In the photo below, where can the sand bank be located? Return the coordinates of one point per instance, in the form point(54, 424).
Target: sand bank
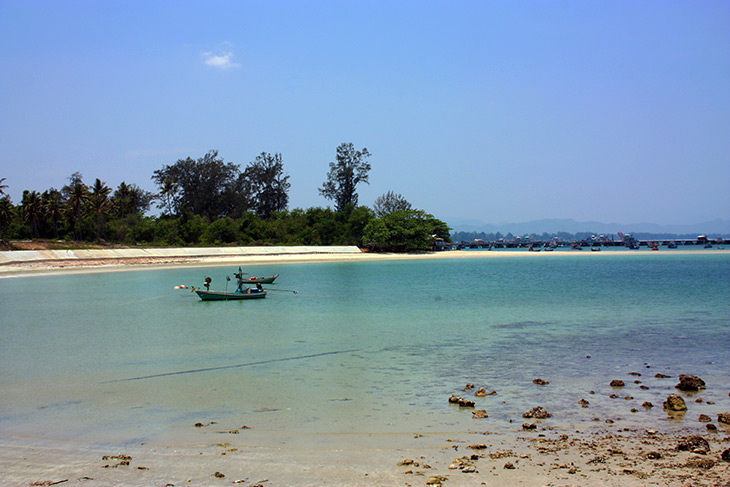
point(606, 457)
point(32, 262)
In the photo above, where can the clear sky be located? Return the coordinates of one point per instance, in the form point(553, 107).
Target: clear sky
point(615, 111)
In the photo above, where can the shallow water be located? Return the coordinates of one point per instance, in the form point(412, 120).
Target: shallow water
point(364, 348)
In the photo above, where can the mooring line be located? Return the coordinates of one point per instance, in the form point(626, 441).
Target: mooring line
point(147, 299)
point(249, 364)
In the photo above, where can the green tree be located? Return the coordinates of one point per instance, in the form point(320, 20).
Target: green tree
point(100, 205)
point(404, 231)
point(75, 194)
point(6, 215)
point(207, 186)
point(390, 202)
point(6, 208)
point(32, 207)
point(169, 197)
point(130, 199)
point(350, 169)
point(53, 208)
point(265, 182)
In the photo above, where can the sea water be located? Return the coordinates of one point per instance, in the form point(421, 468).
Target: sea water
point(362, 349)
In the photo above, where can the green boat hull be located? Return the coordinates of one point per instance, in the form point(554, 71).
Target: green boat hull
point(221, 296)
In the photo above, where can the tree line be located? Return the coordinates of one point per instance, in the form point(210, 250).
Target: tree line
point(208, 201)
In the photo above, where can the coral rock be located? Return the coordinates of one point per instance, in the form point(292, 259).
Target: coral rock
point(690, 383)
point(694, 444)
point(537, 412)
point(675, 403)
point(479, 414)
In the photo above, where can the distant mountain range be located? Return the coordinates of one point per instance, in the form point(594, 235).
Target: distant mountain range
point(719, 227)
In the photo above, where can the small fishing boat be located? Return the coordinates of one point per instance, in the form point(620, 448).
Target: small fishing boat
point(241, 292)
point(259, 280)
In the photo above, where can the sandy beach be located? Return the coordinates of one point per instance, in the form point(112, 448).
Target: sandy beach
point(226, 454)
point(42, 262)
point(692, 451)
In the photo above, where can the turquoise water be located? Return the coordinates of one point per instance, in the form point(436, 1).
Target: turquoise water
point(363, 348)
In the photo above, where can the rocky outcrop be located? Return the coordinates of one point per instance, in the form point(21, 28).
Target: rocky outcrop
point(694, 444)
point(675, 403)
point(690, 383)
point(537, 412)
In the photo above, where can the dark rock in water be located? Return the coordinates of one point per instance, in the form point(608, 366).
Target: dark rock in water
point(723, 418)
point(643, 387)
point(690, 383)
point(465, 403)
point(219, 475)
point(635, 373)
point(479, 414)
point(509, 466)
point(529, 426)
point(704, 418)
point(469, 386)
point(726, 455)
point(436, 480)
point(537, 412)
point(647, 405)
point(583, 403)
point(662, 376)
point(541, 382)
point(617, 383)
point(694, 444)
point(711, 427)
point(675, 403)
point(653, 455)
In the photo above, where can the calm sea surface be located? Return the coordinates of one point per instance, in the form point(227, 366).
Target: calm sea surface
point(364, 348)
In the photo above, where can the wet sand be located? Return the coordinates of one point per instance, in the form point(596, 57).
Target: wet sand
point(606, 456)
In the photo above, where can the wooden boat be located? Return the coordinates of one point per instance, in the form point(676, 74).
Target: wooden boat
point(259, 280)
point(224, 296)
point(241, 292)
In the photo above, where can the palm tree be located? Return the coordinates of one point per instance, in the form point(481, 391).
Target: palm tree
point(32, 205)
point(122, 200)
point(53, 207)
point(100, 203)
point(76, 194)
point(6, 214)
point(6, 208)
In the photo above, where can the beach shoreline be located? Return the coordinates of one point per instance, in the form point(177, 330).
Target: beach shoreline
point(601, 456)
point(109, 261)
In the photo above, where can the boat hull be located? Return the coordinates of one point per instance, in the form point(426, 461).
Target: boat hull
point(221, 296)
point(259, 280)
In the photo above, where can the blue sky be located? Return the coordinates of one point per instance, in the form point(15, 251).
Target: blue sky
point(615, 111)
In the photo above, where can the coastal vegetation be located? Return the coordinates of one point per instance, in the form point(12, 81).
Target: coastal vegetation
point(208, 201)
